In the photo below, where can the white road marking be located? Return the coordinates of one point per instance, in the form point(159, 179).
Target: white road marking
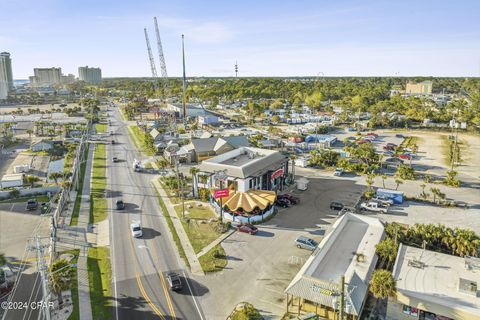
point(191, 294)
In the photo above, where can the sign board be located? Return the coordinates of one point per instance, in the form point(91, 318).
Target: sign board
point(221, 193)
point(277, 174)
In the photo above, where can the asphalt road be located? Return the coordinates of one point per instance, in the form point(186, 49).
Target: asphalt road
point(139, 265)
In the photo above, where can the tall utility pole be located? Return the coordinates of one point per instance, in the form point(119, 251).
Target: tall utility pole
point(236, 69)
point(184, 85)
point(161, 57)
point(39, 247)
point(342, 297)
point(152, 62)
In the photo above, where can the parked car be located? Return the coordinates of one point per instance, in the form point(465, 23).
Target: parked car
point(384, 198)
point(362, 141)
point(392, 144)
point(120, 205)
point(289, 197)
point(336, 206)
point(369, 138)
point(383, 201)
point(174, 281)
point(388, 148)
point(372, 134)
point(374, 206)
point(113, 141)
point(399, 135)
point(338, 172)
point(405, 156)
point(282, 202)
point(394, 160)
point(136, 229)
point(114, 159)
point(32, 204)
point(247, 228)
point(389, 153)
point(306, 243)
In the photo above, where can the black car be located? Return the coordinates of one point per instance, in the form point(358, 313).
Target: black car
point(174, 281)
point(282, 202)
point(32, 204)
point(336, 206)
point(120, 205)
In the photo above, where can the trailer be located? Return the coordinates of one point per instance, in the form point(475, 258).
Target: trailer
point(395, 195)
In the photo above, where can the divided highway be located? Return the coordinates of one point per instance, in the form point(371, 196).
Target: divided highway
point(139, 265)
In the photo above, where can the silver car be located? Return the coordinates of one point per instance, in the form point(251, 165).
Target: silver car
point(306, 243)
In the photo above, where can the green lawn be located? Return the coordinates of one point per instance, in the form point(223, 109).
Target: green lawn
point(74, 289)
point(101, 127)
point(212, 262)
point(140, 135)
point(173, 231)
point(200, 234)
point(98, 208)
point(99, 280)
point(78, 199)
point(132, 136)
point(40, 199)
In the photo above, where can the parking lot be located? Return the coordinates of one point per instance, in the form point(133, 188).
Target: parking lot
point(260, 267)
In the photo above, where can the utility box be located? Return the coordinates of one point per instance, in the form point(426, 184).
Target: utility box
point(395, 195)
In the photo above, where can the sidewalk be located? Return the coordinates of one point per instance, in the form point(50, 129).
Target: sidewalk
point(75, 237)
point(215, 242)
point(192, 258)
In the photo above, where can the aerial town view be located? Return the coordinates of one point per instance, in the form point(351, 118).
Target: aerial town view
point(215, 160)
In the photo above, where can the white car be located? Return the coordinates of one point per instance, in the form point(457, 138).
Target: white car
point(338, 172)
point(136, 229)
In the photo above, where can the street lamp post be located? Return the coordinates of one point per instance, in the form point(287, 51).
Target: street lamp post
point(220, 176)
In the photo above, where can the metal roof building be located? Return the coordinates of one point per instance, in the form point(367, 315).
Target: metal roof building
point(348, 250)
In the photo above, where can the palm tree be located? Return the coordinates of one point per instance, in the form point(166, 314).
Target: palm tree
point(55, 176)
point(31, 180)
point(60, 277)
point(384, 177)
point(387, 250)
point(382, 284)
point(29, 131)
point(436, 193)
point(3, 260)
point(193, 172)
point(398, 182)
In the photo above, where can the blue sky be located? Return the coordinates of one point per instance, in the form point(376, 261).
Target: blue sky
point(267, 38)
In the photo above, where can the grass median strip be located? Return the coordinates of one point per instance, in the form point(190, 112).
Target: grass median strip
point(145, 140)
point(78, 199)
point(98, 208)
point(173, 231)
point(133, 138)
point(99, 279)
point(214, 260)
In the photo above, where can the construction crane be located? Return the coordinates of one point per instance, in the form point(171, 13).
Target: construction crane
point(152, 62)
point(163, 65)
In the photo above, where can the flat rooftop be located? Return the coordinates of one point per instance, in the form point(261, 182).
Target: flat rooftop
point(435, 277)
point(244, 161)
point(349, 250)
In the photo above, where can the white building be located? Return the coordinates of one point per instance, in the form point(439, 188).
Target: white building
point(433, 285)
point(90, 75)
point(6, 77)
point(11, 180)
point(46, 77)
point(347, 250)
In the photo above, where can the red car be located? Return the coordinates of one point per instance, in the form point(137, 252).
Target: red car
point(290, 197)
point(363, 141)
point(247, 228)
point(387, 147)
point(405, 156)
point(372, 134)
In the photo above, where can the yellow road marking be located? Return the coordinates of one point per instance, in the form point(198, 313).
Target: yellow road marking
point(142, 289)
point(165, 289)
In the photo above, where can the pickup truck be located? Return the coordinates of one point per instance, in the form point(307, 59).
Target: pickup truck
point(374, 206)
